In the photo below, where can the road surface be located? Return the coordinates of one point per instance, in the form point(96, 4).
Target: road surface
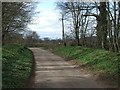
point(52, 71)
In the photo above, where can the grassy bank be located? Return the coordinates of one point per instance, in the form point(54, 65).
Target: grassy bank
point(16, 66)
point(102, 63)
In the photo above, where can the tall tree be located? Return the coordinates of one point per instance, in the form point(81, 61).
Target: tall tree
point(116, 27)
point(73, 9)
point(103, 24)
point(107, 18)
point(15, 17)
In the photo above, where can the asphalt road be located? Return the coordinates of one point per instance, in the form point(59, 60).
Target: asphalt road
point(52, 71)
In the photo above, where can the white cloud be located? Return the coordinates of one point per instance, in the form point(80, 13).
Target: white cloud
point(47, 22)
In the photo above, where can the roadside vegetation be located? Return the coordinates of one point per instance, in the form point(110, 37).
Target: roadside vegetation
point(16, 66)
point(102, 63)
point(84, 24)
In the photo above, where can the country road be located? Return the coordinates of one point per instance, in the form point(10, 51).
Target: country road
point(52, 71)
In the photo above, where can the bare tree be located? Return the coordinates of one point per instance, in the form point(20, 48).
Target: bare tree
point(107, 16)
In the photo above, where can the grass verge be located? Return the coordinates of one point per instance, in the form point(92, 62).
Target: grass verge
point(102, 63)
point(16, 66)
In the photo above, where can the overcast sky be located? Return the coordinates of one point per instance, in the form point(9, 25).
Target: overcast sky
point(47, 23)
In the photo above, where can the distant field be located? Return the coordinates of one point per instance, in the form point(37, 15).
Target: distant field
point(100, 62)
point(16, 66)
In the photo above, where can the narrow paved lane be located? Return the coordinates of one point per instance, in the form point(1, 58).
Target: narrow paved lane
point(52, 71)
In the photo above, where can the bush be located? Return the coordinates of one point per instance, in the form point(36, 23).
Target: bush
point(16, 66)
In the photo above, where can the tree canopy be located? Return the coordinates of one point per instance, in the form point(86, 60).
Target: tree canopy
point(15, 17)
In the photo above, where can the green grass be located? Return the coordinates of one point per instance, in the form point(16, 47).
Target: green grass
point(100, 62)
point(0, 67)
point(16, 66)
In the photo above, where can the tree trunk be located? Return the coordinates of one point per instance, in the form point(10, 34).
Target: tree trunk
point(3, 37)
point(109, 25)
point(103, 24)
point(63, 34)
point(99, 35)
point(118, 26)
